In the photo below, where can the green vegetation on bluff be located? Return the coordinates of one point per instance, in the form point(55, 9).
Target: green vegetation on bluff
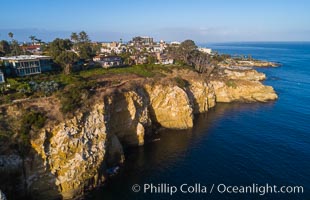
point(44, 85)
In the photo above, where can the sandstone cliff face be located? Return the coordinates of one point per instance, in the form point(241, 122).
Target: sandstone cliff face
point(170, 106)
point(248, 74)
point(77, 152)
point(247, 91)
point(74, 151)
point(242, 85)
point(128, 116)
point(202, 96)
point(247, 63)
point(73, 155)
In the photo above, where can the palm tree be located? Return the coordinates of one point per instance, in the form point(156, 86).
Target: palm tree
point(11, 35)
point(83, 36)
point(38, 40)
point(32, 38)
point(74, 37)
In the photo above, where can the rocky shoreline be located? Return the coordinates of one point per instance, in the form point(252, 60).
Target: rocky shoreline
point(72, 156)
point(247, 63)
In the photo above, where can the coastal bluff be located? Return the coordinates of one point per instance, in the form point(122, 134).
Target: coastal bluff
point(72, 155)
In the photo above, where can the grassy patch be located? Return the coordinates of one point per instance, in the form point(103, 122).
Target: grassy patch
point(146, 70)
point(141, 70)
point(19, 87)
point(74, 96)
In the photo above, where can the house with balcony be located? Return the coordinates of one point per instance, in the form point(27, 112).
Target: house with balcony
point(25, 65)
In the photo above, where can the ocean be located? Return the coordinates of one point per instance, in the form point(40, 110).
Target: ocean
point(238, 144)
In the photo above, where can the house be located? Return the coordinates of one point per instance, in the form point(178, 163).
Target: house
point(25, 65)
point(108, 61)
point(205, 50)
point(176, 43)
point(167, 61)
point(164, 59)
point(32, 49)
point(139, 59)
point(1, 77)
point(113, 47)
point(143, 40)
point(158, 48)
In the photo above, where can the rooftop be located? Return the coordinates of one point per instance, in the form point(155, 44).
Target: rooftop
point(25, 57)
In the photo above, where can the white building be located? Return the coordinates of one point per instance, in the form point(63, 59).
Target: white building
point(158, 48)
point(24, 65)
point(108, 61)
point(175, 43)
point(205, 50)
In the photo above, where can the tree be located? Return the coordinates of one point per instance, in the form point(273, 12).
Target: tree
point(57, 46)
point(39, 41)
point(182, 52)
point(15, 48)
point(32, 38)
point(11, 35)
point(85, 50)
point(83, 45)
point(59, 49)
point(188, 45)
point(66, 59)
point(83, 37)
point(5, 47)
point(186, 48)
point(202, 62)
point(96, 48)
point(74, 37)
point(187, 53)
point(151, 59)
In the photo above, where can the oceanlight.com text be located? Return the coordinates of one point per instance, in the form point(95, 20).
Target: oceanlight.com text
point(199, 188)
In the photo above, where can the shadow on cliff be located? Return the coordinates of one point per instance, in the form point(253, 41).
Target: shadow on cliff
point(172, 145)
point(31, 180)
point(124, 114)
point(193, 100)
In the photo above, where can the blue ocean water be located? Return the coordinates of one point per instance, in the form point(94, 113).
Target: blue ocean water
point(233, 144)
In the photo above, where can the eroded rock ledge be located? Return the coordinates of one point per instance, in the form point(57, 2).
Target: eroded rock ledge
point(73, 155)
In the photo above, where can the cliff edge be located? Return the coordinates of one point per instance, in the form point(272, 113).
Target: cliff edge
point(70, 155)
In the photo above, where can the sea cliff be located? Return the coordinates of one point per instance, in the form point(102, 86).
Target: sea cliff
point(72, 155)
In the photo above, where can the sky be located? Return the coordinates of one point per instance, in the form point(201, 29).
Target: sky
point(171, 20)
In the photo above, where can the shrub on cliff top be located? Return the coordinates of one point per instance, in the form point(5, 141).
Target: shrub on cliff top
point(181, 82)
point(30, 121)
point(74, 96)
